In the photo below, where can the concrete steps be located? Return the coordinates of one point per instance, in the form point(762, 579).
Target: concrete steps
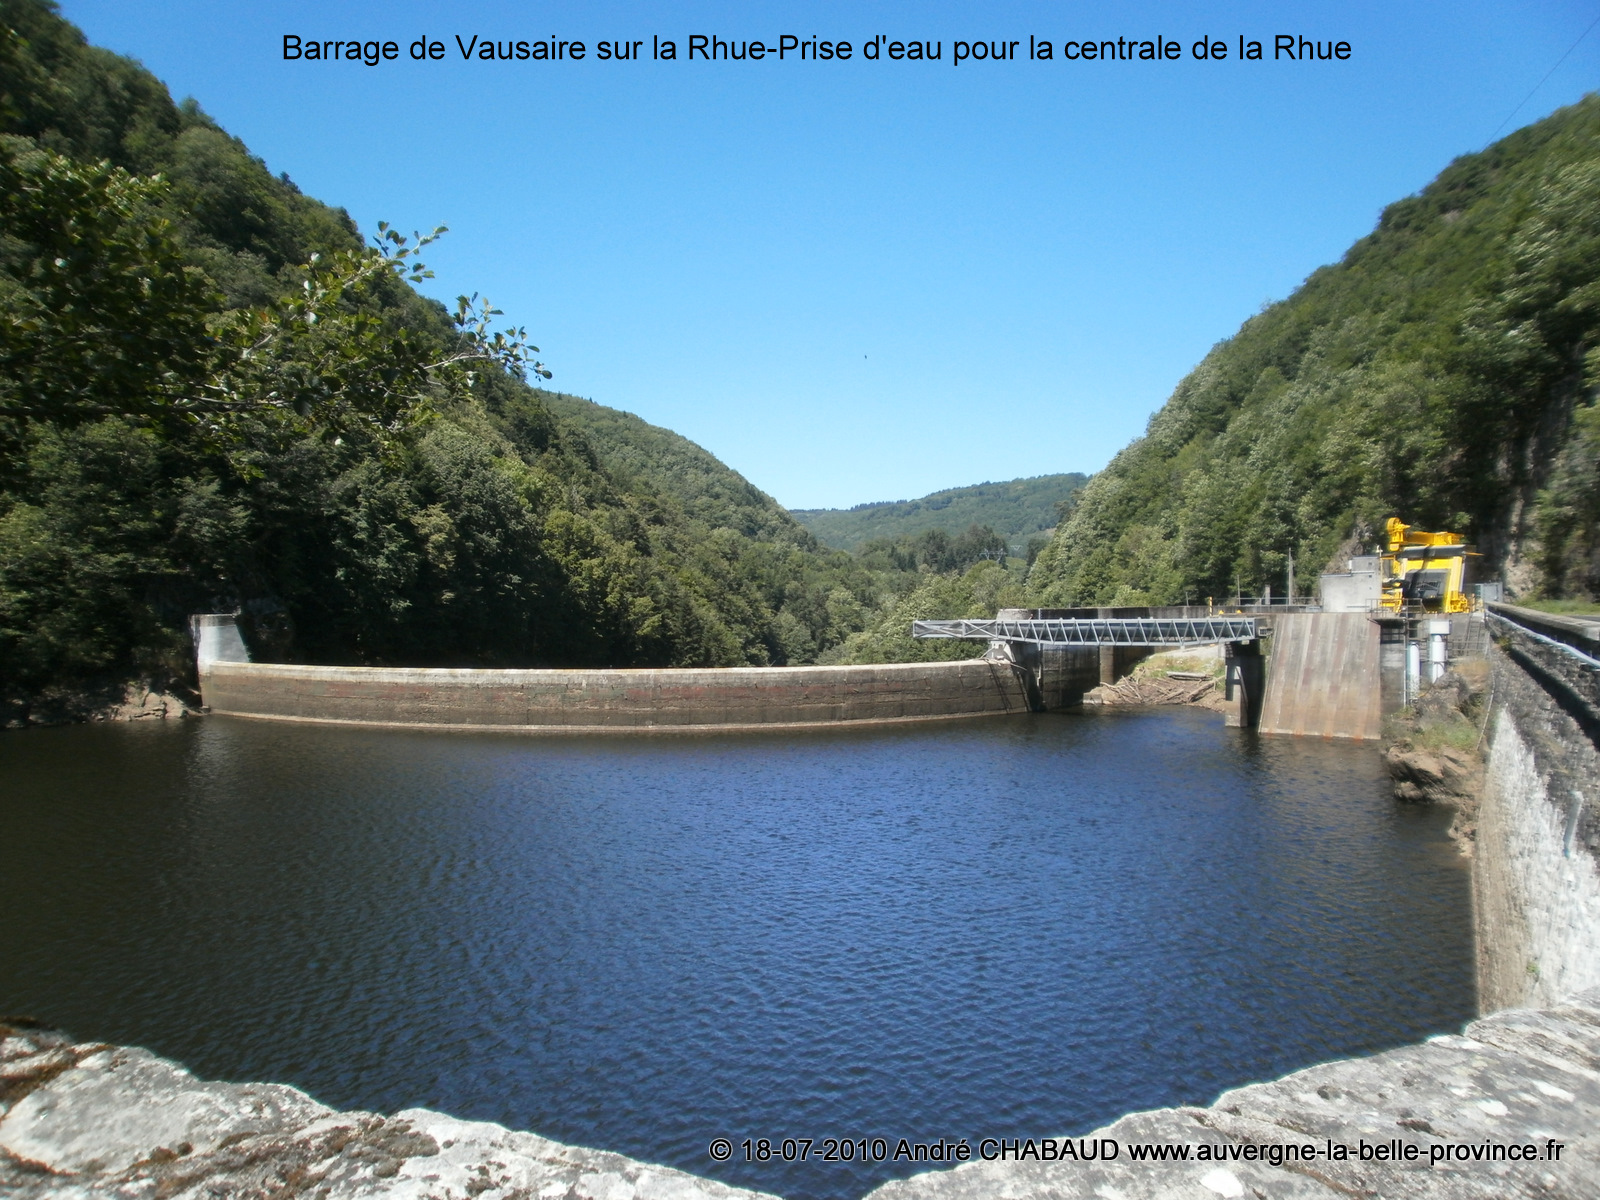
point(1322, 678)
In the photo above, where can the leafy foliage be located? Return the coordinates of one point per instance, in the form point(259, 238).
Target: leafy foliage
point(103, 317)
point(934, 550)
point(977, 592)
point(98, 312)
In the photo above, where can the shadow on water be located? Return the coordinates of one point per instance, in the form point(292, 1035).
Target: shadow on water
point(1012, 927)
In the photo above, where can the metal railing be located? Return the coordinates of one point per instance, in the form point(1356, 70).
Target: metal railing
point(1561, 660)
point(1103, 631)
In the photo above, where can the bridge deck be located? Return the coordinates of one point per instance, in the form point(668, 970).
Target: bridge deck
point(1104, 631)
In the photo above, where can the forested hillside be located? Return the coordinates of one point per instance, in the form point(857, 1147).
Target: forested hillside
point(1017, 509)
point(1444, 371)
point(213, 396)
point(652, 459)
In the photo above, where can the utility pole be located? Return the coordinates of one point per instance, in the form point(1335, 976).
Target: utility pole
point(1290, 599)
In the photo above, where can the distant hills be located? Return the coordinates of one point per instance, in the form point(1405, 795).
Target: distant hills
point(1015, 509)
point(648, 459)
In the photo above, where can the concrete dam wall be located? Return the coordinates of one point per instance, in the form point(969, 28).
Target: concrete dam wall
point(1536, 878)
point(1015, 680)
point(614, 700)
point(1323, 679)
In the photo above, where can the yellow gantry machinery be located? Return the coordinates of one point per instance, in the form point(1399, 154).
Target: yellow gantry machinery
point(1424, 570)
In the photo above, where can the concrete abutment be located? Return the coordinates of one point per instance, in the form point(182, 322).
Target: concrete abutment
point(1536, 876)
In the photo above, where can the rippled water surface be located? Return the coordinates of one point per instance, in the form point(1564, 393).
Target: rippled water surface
point(1010, 927)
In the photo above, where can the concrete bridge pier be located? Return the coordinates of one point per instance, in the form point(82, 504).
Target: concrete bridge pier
point(1072, 672)
point(1109, 655)
point(1027, 661)
point(1246, 683)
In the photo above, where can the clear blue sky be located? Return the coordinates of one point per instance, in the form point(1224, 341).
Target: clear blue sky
point(867, 281)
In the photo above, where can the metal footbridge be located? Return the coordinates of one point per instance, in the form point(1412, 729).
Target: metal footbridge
point(1097, 631)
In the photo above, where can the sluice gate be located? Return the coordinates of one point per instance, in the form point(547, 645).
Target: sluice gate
point(1324, 680)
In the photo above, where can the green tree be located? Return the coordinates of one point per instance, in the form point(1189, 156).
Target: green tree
point(99, 314)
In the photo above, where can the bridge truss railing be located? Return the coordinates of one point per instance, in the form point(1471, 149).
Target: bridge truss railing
point(1105, 631)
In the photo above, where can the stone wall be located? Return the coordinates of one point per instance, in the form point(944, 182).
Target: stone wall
point(602, 700)
point(1536, 878)
point(79, 1121)
point(84, 1120)
point(1521, 1077)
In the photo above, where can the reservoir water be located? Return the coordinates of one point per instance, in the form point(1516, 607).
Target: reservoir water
point(1011, 927)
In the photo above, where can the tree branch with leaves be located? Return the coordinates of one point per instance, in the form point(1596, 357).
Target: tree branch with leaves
point(103, 316)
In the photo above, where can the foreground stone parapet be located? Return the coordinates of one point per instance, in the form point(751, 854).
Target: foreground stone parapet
point(82, 1120)
point(1523, 1077)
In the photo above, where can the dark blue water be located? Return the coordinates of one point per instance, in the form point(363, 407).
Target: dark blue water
point(1011, 927)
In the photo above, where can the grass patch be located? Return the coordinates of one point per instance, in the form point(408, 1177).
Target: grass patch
point(1157, 665)
point(1450, 733)
point(1564, 608)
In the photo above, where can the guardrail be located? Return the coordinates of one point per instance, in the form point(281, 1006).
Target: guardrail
point(1562, 652)
point(1103, 631)
point(1581, 633)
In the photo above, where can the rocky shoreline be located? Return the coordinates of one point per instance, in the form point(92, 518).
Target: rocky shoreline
point(85, 1121)
point(1435, 751)
point(136, 700)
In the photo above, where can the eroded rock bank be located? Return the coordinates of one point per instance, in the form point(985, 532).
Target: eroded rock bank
point(1437, 748)
point(136, 700)
point(84, 1120)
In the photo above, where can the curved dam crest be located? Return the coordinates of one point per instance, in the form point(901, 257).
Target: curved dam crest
point(617, 699)
point(623, 700)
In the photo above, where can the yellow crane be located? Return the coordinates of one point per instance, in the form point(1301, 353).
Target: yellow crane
point(1424, 570)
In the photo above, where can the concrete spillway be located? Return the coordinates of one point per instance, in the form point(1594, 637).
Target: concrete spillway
point(627, 700)
point(596, 701)
point(1323, 678)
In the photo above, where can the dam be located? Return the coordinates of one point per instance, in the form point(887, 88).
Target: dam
point(1034, 663)
point(619, 700)
point(977, 926)
point(1328, 676)
point(1324, 677)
